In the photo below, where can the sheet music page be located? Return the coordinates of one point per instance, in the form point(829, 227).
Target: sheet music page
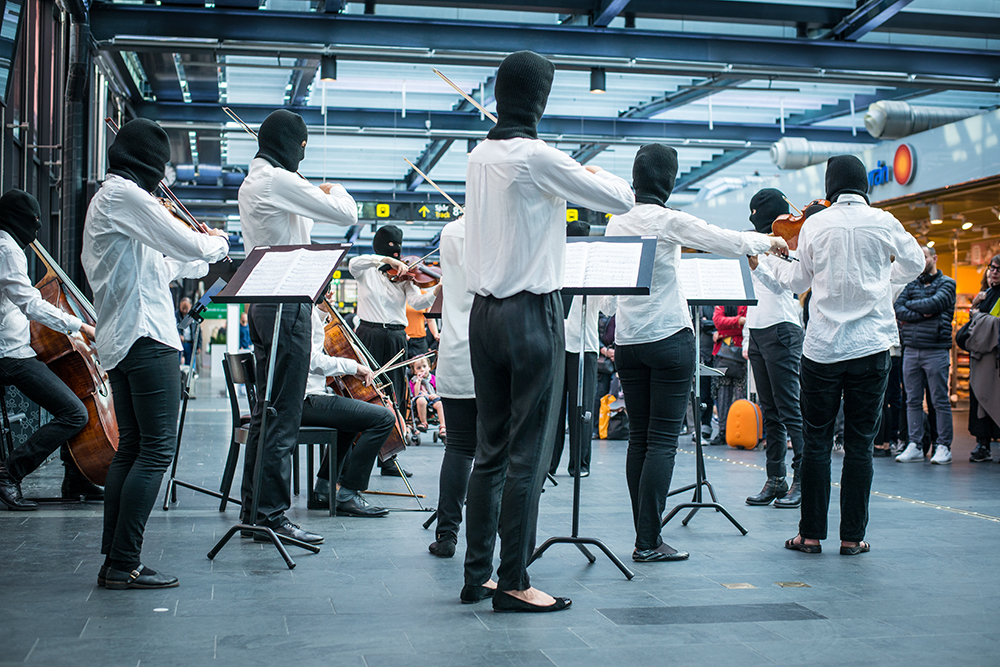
point(575, 267)
point(689, 277)
point(270, 271)
point(295, 273)
point(722, 279)
point(613, 265)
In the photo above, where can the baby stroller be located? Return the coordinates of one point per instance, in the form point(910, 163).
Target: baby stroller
point(412, 415)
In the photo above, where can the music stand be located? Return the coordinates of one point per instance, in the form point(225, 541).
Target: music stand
point(708, 280)
point(194, 315)
point(278, 274)
point(599, 266)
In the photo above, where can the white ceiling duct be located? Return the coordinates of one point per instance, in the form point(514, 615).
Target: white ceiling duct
point(889, 119)
point(798, 153)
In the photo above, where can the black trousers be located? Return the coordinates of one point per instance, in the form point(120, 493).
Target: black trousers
point(146, 389)
point(568, 404)
point(518, 352)
point(893, 404)
point(34, 379)
point(861, 382)
point(291, 369)
point(656, 378)
point(384, 344)
point(456, 466)
point(369, 424)
point(417, 346)
point(775, 355)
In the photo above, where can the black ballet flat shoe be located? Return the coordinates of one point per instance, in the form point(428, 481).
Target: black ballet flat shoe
point(802, 546)
point(442, 548)
point(506, 603)
point(862, 548)
point(474, 594)
point(662, 553)
point(140, 577)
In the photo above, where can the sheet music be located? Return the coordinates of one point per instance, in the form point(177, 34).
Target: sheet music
point(602, 264)
point(720, 279)
point(294, 273)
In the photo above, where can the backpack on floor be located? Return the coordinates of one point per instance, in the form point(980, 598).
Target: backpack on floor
point(744, 425)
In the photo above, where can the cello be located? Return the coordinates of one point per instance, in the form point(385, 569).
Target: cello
point(74, 359)
point(341, 341)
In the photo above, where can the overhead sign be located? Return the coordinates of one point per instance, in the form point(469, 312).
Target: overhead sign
point(405, 211)
point(902, 170)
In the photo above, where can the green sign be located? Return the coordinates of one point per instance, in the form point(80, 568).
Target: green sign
point(215, 311)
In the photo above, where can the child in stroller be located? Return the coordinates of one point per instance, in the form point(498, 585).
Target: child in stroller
point(423, 388)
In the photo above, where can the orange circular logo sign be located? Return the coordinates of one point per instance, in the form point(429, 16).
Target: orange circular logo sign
point(904, 165)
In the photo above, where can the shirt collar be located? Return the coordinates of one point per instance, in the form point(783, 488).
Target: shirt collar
point(848, 198)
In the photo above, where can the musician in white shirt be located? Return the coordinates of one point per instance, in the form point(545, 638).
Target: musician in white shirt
point(848, 255)
point(516, 192)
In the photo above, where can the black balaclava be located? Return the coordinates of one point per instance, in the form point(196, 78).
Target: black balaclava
point(20, 216)
point(280, 138)
point(653, 174)
point(140, 153)
point(388, 241)
point(846, 174)
point(765, 206)
point(521, 88)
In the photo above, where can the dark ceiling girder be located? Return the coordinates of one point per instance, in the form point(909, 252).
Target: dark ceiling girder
point(463, 122)
point(949, 25)
point(866, 18)
point(716, 164)
point(301, 78)
point(607, 11)
point(467, 43)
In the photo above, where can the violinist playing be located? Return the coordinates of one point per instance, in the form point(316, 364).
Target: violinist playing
point(19, 302)
point(382, 308)
point(132, 248)
point(365, 425)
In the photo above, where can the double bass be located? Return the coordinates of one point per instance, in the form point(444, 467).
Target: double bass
point(74, 359)
point(341, 341)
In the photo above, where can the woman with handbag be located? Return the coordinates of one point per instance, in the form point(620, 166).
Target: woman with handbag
point(727, 354)
point(987, 302)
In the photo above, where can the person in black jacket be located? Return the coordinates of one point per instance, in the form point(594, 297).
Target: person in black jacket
point(924, 310)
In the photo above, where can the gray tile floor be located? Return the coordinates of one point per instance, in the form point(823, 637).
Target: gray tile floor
point(927, 594)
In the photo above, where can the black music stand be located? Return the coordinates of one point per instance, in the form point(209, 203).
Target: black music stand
point(194, 315)
point(706, 283)
point(278, 274)
point(596, 266)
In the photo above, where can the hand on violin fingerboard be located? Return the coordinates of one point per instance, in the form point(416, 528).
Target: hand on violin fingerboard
point(327, 187)
point(752, 261)
point(395, 264)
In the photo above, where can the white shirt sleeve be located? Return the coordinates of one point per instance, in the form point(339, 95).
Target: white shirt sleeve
point(909, 257)
point(687, 230)
point(180, 270)
point(151, 224)
point(766, 278)
point(561, 176)
point(321, 363)
point(15, 286)
point(363, 263)
point(795, 276)
point(297, 195)
point(418, 300)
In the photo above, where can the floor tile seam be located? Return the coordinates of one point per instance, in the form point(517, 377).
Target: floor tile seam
point(923, 503)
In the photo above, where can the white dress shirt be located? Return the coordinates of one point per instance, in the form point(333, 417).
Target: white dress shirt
point(132, 249)
point(277, 207)
point(515, 208)
point(381, 301)
point(664, 312)
point(20, 302)
point(844, 256)
point(775, 304)
point(321, 364)
point(454, 361)
point(572, 325)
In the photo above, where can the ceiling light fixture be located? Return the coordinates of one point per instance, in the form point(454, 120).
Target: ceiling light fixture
point(937, 213)
point(598, 78)
point(328, 68)
point(930, 244)
point(966, 225)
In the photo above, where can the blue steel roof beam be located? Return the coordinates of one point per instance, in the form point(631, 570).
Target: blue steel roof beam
point(301, 79)
point(678, 98)
point(843, 108)
point(439, 147)
point(866, 18)
point(607, 11)
point(570, 47)
point(462, 123)
point(716, 164)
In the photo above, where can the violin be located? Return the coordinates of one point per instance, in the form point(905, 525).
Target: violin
point(788, 226)
point(419, 274)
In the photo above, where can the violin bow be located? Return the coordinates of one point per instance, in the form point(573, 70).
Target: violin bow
point(232, 114)
point(468, 97)
point(788, 201)
point(407, 362)
point(436, 187)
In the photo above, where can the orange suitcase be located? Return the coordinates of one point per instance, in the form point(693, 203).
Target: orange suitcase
point(744, 425)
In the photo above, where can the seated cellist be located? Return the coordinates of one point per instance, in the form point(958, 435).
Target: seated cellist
point(369, 423)
point(20, 302)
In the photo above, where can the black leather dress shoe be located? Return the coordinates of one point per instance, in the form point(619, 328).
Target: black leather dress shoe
point(358, 506)
point(289, 529)
point(660, 554)
point(774, 487)
point(10, 493)
point(473, 594)
point(140, 577)
point(442, 548)
point(75, 486)
point(506, 603)
point(389, 469)
point(792, 499)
